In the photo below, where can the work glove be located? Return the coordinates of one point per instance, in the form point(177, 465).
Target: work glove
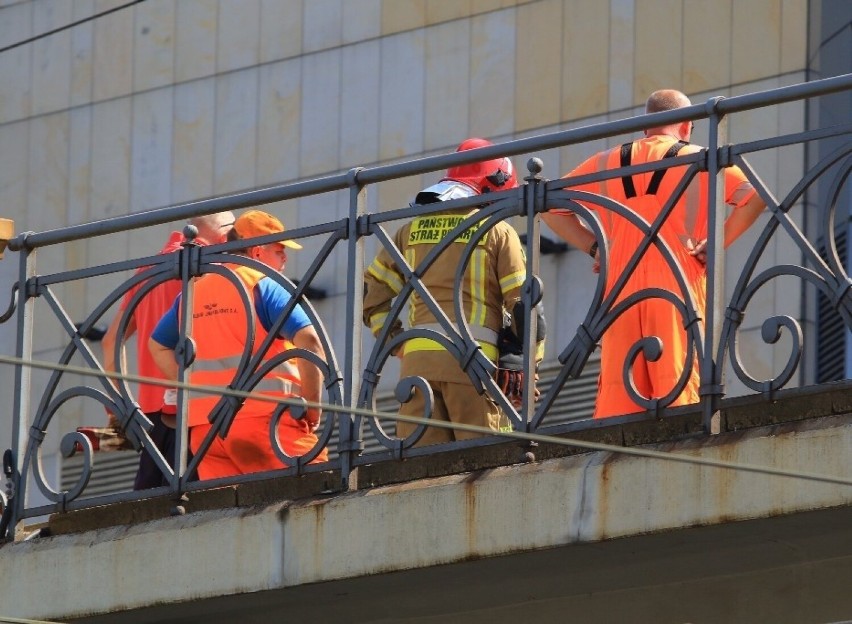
point(510, 377)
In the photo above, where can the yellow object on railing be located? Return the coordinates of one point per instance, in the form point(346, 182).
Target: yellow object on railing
point(7, 231)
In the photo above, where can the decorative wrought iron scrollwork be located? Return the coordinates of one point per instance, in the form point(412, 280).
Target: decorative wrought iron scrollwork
point(825, 272)
point(13, 304)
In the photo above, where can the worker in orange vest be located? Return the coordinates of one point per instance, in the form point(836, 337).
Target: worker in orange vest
point(220, 327)
point(212, 229)
point(685, 232)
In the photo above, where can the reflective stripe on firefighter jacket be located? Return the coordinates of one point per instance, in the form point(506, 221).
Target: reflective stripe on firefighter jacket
point(219, 326)
point(492, 279)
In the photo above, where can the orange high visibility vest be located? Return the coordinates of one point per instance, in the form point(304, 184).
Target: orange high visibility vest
point(219, 328)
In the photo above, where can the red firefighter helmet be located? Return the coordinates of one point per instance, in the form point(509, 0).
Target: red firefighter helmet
point(497, 174)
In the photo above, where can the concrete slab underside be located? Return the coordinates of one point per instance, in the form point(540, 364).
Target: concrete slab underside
point(792, 569)
point(592, 537)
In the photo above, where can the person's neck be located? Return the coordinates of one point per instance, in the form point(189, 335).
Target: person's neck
point(660, 133)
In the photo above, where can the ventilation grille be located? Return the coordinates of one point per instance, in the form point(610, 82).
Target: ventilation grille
point(114, 472)
point(831, 330)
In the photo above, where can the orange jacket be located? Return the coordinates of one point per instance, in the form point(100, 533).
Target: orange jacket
point(219, 326)
point(686, 223)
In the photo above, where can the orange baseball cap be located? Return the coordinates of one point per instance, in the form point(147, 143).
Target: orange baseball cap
point(254, 223)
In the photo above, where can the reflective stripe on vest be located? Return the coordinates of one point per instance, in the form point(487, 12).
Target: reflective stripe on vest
point(220, 347)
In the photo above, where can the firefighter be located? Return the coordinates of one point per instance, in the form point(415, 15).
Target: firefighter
point(491, 284)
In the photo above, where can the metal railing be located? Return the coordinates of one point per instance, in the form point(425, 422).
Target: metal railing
point(351, 374)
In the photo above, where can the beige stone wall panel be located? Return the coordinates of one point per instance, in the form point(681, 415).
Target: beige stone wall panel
point(195, 38)
point(621, 54)
point(538, 65)
point(401, 99)
point(193, 129)
point(79, 164)
point(112, 73)
point(15, 64)
point(82, 54)
point(660, 48)
point(323, 27)
point(585, 59)
point(402, 15)
point(362, 20)
point(238, 35)
point(14, 161)
point(359, 115)
point(280, 109)
point(794, 35)
point(438, 11)
point(573, 155)
point(447, 93)
point(151, 150)
point(756, 40)
point(395, 194)
point(154, 45)
point(492, 57)
point(51, 70)
point(110, 182)
point(320, 124)
point(280, 29)
point(235, 139)
point(47, 186)
point(482, 6)
point(707, 45)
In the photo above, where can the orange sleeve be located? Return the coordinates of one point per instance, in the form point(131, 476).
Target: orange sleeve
point(738, 190)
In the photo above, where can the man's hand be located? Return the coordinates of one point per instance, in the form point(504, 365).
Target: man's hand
point(697, 250)
point(312, 417)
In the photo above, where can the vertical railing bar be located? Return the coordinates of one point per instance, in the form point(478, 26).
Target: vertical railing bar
point(349, 439)
point(712, 387)
point(23, 385)
point(533, 193)
point(185, 330)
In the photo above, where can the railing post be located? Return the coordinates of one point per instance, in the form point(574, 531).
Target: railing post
point(532, 292)
point(350, 443)
point(23, 382)
point(187, 274)
point(712, 382)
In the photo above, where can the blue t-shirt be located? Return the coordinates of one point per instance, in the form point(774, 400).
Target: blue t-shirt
point(270, 298)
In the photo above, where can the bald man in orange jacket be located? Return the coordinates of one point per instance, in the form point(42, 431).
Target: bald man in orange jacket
point(684, 231)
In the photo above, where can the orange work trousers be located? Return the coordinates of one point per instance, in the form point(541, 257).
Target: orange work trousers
point(247, 447)
point(650, 317)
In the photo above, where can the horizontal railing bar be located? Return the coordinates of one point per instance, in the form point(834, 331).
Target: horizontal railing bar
point(364, 176)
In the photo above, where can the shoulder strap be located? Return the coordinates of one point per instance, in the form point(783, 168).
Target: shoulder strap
point(627, 181)
point(656, 179)
point(659, 173)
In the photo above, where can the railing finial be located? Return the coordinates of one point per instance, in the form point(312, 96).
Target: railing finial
point(190, 232)
point(535, 166)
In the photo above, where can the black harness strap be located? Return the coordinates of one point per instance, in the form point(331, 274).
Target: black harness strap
point(627, 181)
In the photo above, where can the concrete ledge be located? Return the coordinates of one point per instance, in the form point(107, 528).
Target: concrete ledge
point(738, 414)
point(248, 494)
point(787, 406)
point(488, 513)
